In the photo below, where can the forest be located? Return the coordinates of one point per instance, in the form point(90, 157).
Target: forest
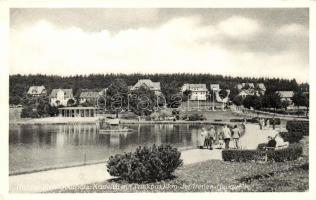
point(19, 84)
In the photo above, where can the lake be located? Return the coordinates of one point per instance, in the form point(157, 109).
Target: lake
point(37, 147)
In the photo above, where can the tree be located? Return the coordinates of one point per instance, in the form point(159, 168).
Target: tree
point(275, 100)
point(237, 100)
point(253, 101)
point(71, 102)
point(301, 99)
point(186, 95)
point(171, 92)
point(223, 93)
point(143, 101)
point(116, 95)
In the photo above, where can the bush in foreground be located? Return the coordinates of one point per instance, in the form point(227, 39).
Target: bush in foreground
point(293, 152)
point(146, 164)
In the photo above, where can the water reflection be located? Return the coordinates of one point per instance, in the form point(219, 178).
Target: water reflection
point(39, 146)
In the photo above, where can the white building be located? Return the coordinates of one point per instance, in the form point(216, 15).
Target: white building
point(214, 87)
point(286, 95)
point(37, 91)
point(198, 91)
point(147, 83)
point(62, 97)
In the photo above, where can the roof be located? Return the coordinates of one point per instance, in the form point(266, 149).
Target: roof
point(246, 92)
point(89, 94)
point(285, 94)
point(36, 89)
point(68, 93)
point(148, 83)
point(261, 86)
point(188, 86)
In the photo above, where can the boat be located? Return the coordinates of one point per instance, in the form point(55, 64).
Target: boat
point(112, 126)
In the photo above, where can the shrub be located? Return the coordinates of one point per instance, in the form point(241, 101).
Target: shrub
point(293, 152)
point(298, 126)
point(262, 146)
point(129, 115)
point(296, 131)
point(196, 117)
point(242, 155)
point(146, 164)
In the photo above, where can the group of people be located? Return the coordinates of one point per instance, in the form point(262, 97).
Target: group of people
point(208, 137)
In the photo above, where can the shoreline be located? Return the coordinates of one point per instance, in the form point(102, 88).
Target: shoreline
point(59, 120)
point(21, 172)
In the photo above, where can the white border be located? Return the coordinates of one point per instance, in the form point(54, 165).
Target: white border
point(5, 5)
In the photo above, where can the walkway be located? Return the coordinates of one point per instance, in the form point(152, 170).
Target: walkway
point(67, 177)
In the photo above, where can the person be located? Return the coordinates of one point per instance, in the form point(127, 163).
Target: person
point(226, 136)
point(268, 123)
point(211, 137)
point(236, 136)
point(202, 137)
point(280, 144)
point(260, 123)
point(271, 143)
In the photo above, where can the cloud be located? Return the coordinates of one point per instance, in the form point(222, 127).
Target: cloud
point(180, 45)
point(239, 27)
point(292, 30)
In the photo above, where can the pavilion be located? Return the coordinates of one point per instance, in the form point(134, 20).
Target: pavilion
point(77, 112)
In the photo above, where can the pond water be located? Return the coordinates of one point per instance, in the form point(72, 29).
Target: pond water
point(34, 147)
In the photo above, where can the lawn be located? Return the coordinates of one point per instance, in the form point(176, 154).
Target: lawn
point(217, 176)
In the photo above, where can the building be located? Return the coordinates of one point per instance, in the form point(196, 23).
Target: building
point(198, 91)
point(37, 91)
point(62, 97)
point(77, 112)
point(261, 88)
point(147, 83)
point(214, 87)
point(286, 95)
point(89, 97)
point(249, 92)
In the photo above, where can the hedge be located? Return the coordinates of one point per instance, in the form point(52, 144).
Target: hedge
point(146, 164)
point(242, 155)
point(293, 152)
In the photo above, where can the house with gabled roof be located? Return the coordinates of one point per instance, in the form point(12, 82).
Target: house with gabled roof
point(88, 96)
point(198, 91)
point(61, 97)
point(285, 95)
point(37, 91)
point(152, 86)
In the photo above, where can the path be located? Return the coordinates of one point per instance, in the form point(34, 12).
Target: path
point(67, 177)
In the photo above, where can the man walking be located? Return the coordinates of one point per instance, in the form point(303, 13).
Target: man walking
point(211, 137)
point(227, 136)
point(236, 136)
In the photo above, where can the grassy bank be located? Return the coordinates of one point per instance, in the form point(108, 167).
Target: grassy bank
point(217, 176)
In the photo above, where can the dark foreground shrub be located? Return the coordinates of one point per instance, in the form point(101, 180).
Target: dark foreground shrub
point(146, 164)
point(293, 152)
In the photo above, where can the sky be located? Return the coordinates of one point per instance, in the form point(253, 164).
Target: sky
point(262, 42)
